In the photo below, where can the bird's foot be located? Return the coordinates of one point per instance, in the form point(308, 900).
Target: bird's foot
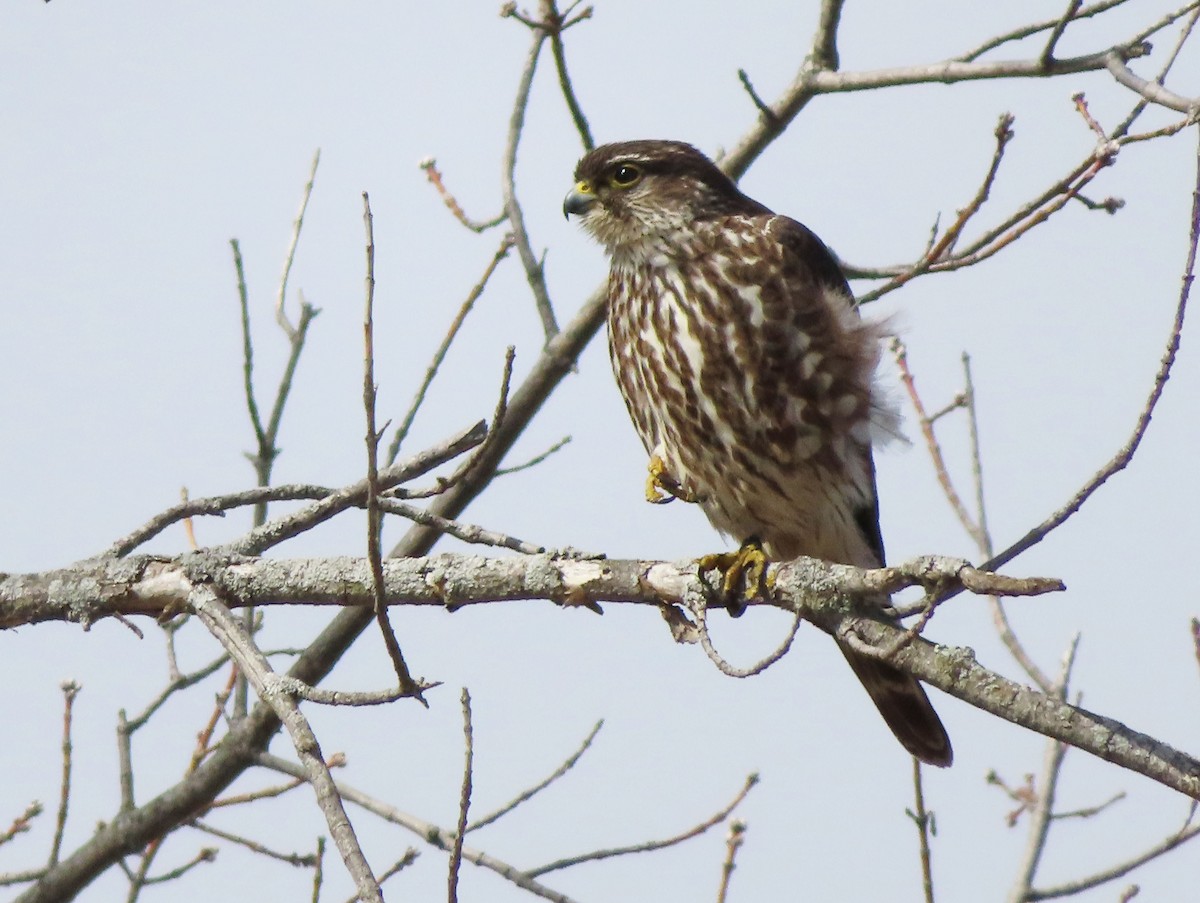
point(662, 487)
point(744, 575)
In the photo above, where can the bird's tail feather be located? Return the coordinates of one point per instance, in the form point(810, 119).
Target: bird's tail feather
point(902, 702)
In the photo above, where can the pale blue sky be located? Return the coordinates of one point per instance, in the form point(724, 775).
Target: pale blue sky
point(140, 139)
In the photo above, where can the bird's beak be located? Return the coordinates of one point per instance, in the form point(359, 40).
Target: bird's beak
point(579, 199)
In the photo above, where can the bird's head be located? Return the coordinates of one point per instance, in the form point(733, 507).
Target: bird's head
point(640, 197)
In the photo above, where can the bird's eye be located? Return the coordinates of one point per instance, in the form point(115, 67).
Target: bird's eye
point(625, 176)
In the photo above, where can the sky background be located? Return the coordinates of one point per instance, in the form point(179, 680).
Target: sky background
point(139, 139)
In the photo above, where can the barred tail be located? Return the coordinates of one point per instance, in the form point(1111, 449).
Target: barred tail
point(902, 702)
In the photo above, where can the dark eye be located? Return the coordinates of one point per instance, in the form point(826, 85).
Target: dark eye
point(625, 175)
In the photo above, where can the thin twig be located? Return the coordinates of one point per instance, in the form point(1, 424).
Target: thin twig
point(534, 274)
point(374, 526)
point(1125, 454)
point(204, 737)
point(124, 762)
point(177, 683)
point(1081, 105)
point(1072, 888)
point(1057, 32)
point(759, 103)
point(409, 857)
point(649, 845)
point(70, 691)
point(464, 799)
point(1196, 638)
point(533, 791)
point(734, 839)
point(1025, 31)
point(552, 17)
point(247, 344)
point(996, 239)
point(1161, 77)
point(471, 533)
point(308, 860)
point(289, 258)
point(21, 823)
point(267, 793)
point(205, 854)
point(700, 613)
point(284, 528)
point(984, 540)
point(932, 446)
point(241, 648)
point(465, 308)
point(471, 463)
point(926, 827)
point(1090, 811)
point(319, 871)
point(430, 168)
point(535, 460)
point(1042, 809)
point(427, 831)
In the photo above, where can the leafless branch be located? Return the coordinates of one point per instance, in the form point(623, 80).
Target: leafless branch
point(284, 528)
point(374, 518)
point(1125, 455)
point(430, 168)
point(759, 103)
point(1057, 32)
point(290, 257)
point(698, 606)
point(205, 854)
point(307, 860)
point(536, 459)
point(428, 831)
point(926, 827)
point(464, 800)
point(24, 822)
point(1025, 31)
point(810, 82)
point(900, 354)
point(1072, 888)
point(1042, 809)
point(529, 794)
point(534, 273)
point(70, 691)
point(95, 589)
point(1154, 93)
point(1140, 107)
point(473, 295)
point(409, 857)
point(734, 838)
point(823, 53)
point(555, 23)
point(716, 819)
point(240, 646)
point(1089, 811)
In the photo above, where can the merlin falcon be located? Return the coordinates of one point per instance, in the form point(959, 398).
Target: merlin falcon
point(748, 373)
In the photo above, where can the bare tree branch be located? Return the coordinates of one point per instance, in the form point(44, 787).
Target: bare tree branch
point(533, 791)
point(240, 646)
point(428, 831)
point(695, 831)
point(1125, 455)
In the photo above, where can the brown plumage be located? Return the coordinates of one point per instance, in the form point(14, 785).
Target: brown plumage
point(747, 372)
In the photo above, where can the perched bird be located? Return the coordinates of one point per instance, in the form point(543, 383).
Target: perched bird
point(748, 374)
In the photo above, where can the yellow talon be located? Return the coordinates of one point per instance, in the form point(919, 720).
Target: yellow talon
point(743, 574)
point(662, 487)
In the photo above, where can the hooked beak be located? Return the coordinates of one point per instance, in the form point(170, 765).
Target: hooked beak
point(579, 199)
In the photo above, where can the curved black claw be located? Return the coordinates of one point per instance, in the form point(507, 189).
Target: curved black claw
point(743, 575)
